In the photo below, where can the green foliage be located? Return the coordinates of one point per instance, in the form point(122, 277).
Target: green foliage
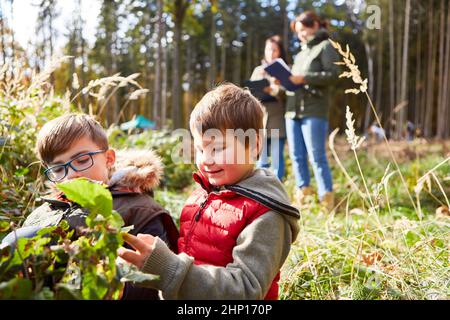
point(52, 265)
point(177, 176)
point(390, 253)
point(23, 111)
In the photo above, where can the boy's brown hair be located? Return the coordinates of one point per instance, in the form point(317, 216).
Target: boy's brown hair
point(58, 135)
point(227, 107)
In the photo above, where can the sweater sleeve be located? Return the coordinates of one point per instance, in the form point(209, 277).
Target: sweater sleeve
point(329, 74)
point(260, 251)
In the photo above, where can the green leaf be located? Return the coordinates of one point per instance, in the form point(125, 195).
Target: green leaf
point(129, 273)
point(65, 291)
point(116, 220)
point(46, 230)
point(16, 288)
point(44, 294)
point(138, 277)
point(93, 286)
point(126, 229)
point(411, 238)
point(89, 195)
point(4, 226)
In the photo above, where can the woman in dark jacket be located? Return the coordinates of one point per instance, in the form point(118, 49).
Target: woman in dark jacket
point(308, 107)
point(274, 122)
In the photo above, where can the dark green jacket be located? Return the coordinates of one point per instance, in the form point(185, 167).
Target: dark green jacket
point(316, 63)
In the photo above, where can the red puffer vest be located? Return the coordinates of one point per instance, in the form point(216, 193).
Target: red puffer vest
point(211, 222)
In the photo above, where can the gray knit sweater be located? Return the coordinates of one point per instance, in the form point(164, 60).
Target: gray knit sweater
point(260, 251)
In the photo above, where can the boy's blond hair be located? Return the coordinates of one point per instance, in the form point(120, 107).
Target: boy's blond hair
point(227, 107)
point(59, 134)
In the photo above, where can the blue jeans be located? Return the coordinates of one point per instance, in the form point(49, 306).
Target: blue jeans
point(306, 139)
point(273, 148)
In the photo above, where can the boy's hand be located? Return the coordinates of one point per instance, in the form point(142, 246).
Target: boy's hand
point(143, 244)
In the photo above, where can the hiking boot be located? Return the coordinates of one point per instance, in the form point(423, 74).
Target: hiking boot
point(328, 201)
point(302, 195)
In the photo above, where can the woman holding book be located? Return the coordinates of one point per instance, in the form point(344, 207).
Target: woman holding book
point(274, 103)
point(308, 106)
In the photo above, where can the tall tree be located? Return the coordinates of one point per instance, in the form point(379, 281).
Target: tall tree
point(106, 50)
point(444, 43)
point(392, 98)
point(158, 63)
point(3, 32)
point(178, 14)
point(165, 67)
point(45, 30)
point(431, 61)
point(77, 48)
point(213, 47)
point(402, 113)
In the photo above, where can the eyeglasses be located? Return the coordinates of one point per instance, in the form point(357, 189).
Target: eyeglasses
point(80, 163)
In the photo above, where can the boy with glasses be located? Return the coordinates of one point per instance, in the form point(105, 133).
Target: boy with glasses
point(76, 145)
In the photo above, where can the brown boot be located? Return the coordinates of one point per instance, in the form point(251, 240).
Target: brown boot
point(328, 201)
point(302, 194)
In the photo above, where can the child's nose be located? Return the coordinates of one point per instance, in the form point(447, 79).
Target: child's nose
point(72, 174)
point(207, 159)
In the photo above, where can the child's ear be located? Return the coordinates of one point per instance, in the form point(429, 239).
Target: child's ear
point(110, 158)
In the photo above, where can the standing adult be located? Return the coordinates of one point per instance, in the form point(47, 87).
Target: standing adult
point(308, 107)
point(274, 122)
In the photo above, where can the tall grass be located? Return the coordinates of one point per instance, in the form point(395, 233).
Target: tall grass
point(378, 244)
point(27, 102)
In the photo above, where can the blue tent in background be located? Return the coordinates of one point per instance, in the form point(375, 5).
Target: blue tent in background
point(139, 122)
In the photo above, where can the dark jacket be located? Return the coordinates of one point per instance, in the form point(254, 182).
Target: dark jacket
point(274, 110)
point(316, 63)
point(134, 177)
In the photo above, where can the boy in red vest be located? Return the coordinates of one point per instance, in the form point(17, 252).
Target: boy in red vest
point(237, 228)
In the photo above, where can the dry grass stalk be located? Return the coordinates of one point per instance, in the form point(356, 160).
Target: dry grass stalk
point(350, 62)
point(352, 138)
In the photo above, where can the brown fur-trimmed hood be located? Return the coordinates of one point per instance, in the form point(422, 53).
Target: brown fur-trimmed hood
point(136, 170)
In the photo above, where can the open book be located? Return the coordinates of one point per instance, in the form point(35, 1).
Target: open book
point(257, 89)
point(280, 70)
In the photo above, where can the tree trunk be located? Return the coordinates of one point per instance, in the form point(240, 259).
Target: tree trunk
point(446, 81)
point(440, 129)
point(177, 116)
point(190, 78)
point(428, 128)
point(248, 55)
point(368, 113)
point(157, 83)
point(237, 58)
point(419, 76)
point(379, 89)
point(223, 61)
point(165, 67)
point(83, 59)
point(392, 99)
point(176, 105)
point(285, 34)
point(2, 33)
point(13, 46)
point(402, 113)
point(212, 53)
